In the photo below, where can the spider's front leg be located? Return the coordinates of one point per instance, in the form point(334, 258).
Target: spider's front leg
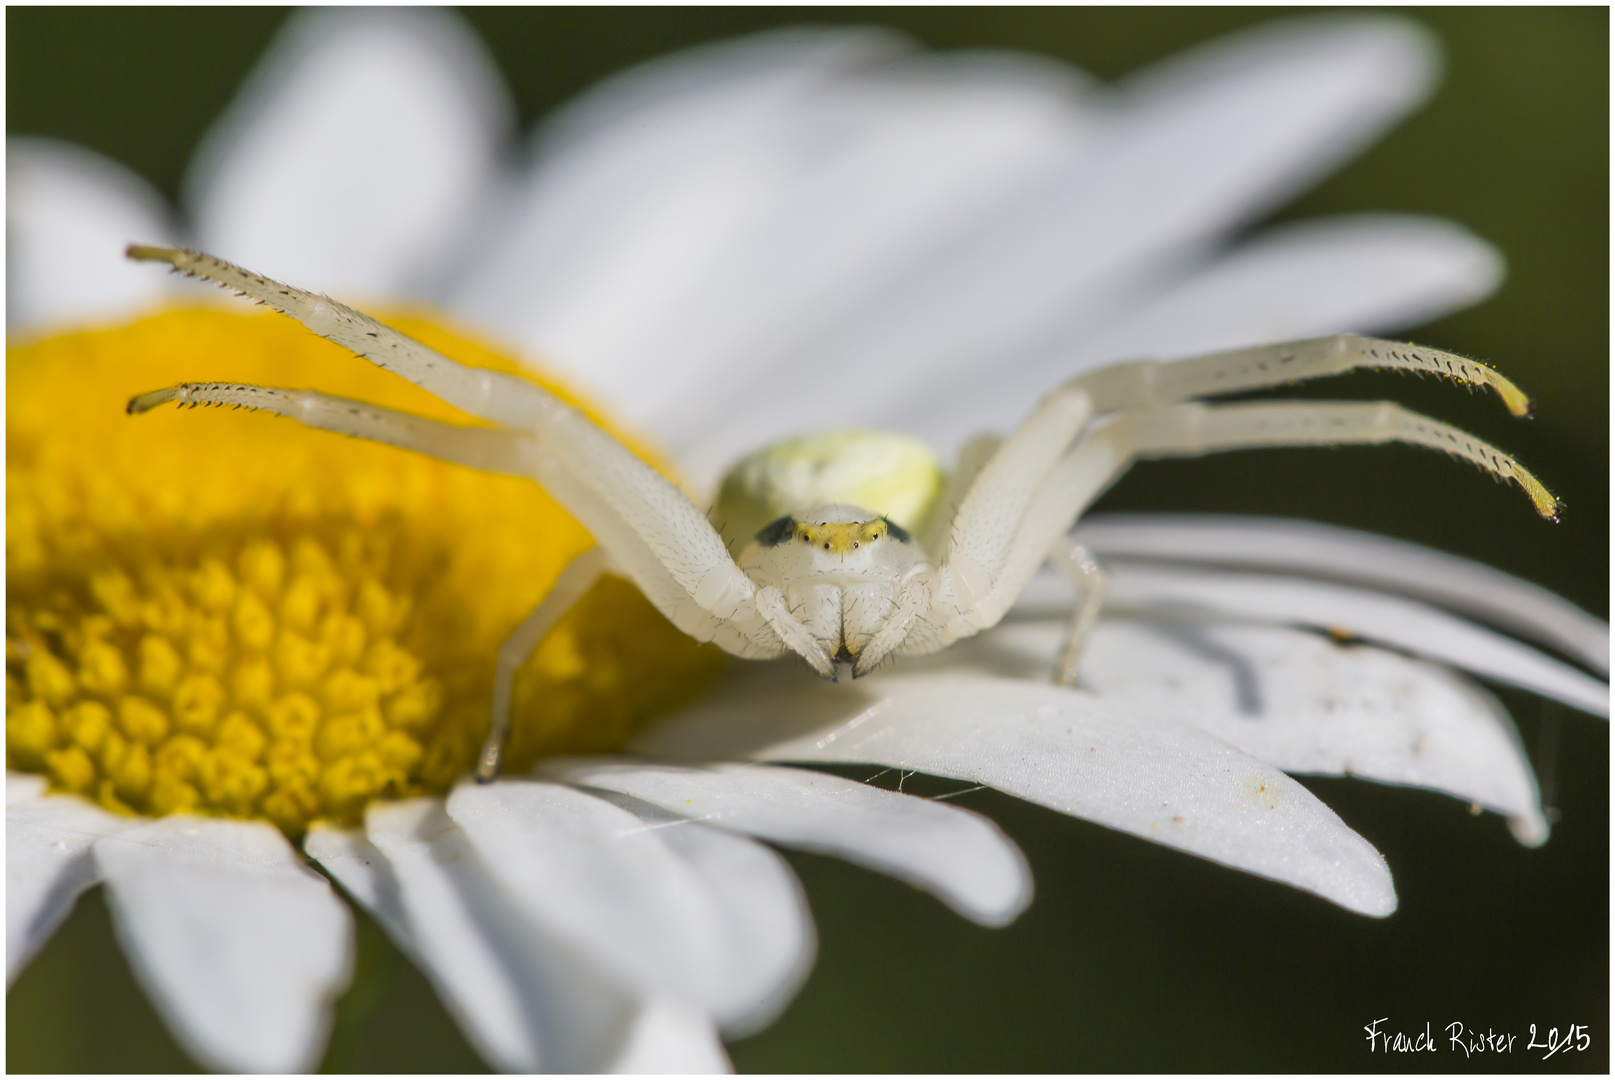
point(651, 530)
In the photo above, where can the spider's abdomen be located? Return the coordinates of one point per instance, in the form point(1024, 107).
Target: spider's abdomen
point(895, 474)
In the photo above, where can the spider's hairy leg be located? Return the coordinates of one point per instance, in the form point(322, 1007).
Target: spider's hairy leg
point(1151, 383)
point(1062, 493)
point(1004, 491)
point(1195, 429)
point(489, 449)
point(576, 580)
point(660, 539)
point(1093, 582)
point(487, 395)
point(972, 458)
point(1190, 430)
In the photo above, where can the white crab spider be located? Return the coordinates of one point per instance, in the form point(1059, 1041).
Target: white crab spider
point(836, 583)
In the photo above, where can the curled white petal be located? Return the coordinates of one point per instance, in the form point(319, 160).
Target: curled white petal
point(1298, 701)
point(671, 1037)
point(1152, 777)
point(50, 842)
point(526, 1001)
point(69, 214)
point(1406, 624)
point(770, 937)
point(241, 947)
point(1347, 555)
point(961, 857)
point(657, 911)
point(355, 152)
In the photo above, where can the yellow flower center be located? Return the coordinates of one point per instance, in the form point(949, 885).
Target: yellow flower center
point(228, 613)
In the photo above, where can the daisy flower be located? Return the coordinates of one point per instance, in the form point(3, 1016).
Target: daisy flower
point(226, 637)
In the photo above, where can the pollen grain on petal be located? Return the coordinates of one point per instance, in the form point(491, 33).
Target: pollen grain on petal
point(223, 613)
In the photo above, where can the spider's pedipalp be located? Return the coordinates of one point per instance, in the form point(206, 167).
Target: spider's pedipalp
point(489, 449)
point(1147, 383)
point(487, 395)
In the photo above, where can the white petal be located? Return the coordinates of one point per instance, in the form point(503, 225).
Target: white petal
point(49, 862)
point(1064, 749)
point(1366, 273)
point(241, 947)
point(961, 857)
point(671, 1037)
point(1392, 620)
point(526, 1002)
point(635, 183)
point(24, 787)
point(69, 214)
point(1309, 94)
point(1329, 551)
point(916, 155)
point(353, 156)
point(1295, 700)
point(757, 899)
point(663, 913)
point(1191, 152)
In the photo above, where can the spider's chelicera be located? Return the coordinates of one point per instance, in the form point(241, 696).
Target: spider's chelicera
point(839, 584)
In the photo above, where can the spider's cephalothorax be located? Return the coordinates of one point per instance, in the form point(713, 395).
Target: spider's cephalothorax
point(826, 580)
point(840, 570)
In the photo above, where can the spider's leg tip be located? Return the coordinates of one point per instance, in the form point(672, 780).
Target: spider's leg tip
point(151, 399)
point(152, 253)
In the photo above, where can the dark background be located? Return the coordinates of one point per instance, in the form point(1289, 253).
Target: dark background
point(1132, 957)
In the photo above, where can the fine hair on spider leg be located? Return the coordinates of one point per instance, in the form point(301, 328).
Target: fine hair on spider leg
point(1155, 382)
point(1193, 429)
point(487, 449)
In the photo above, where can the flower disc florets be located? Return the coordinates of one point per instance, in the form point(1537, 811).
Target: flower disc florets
point(232, 614)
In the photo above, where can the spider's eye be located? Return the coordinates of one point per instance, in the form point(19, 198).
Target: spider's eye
point(855, 545)
point(827, 545)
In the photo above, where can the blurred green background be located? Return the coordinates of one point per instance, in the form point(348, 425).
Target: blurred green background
point(1132, 957)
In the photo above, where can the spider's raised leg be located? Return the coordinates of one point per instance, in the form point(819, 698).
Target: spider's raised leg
point(489, 449)
point(652, 531)
point(576, 580)
point(1102, 455)
point(488, 395)
point(1149, 383)
point(1093, 582)
point(1195, 429)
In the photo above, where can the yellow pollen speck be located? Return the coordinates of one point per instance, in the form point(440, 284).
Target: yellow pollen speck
point(227, 613)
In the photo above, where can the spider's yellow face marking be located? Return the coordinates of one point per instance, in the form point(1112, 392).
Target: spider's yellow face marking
point(841, 538)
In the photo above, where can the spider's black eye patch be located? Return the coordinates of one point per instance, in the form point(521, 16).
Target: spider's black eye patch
point(899, 533)
point(776, 532)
